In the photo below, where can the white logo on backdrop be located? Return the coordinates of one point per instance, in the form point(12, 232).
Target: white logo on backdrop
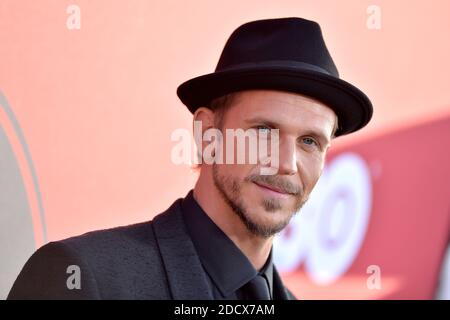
point(328, 232)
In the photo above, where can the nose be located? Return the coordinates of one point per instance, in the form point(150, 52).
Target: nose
point(287, 157)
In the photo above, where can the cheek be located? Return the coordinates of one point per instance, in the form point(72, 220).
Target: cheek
point(236, 172)
point(310, 169)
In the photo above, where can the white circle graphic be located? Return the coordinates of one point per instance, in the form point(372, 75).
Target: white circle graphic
point(329, 231)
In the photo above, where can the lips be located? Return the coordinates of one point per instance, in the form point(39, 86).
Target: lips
point(272, 188)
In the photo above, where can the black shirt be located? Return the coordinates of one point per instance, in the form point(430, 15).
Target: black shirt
point(227, 268)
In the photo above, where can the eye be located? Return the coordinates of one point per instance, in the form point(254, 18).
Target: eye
point(310, 141)
point(263, 128)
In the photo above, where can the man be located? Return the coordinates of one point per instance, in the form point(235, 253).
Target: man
point(273, 75)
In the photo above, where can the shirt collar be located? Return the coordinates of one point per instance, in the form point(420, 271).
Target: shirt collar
point(267, 272)
point(225, 263)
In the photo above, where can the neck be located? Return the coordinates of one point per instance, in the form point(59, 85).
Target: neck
point(255, 248)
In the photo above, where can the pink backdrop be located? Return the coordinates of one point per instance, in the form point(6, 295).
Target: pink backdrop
point(88, 114)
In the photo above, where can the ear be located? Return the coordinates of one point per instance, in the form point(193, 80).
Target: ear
point(202, 121)
point(205, 116)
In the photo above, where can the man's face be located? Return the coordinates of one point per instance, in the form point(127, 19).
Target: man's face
point(266, 203)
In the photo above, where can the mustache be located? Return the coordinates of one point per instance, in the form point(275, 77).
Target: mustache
point(276, 182)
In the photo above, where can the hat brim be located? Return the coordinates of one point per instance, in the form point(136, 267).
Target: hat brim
point(352, 107)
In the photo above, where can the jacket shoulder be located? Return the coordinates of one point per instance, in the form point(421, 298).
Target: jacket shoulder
point(116, 263)
point(47, 275)
point(118, 240)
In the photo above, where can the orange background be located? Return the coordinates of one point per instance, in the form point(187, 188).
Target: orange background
point(97, 105)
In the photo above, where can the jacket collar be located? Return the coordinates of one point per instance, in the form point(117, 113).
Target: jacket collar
point(184, 272)
point(280, 292)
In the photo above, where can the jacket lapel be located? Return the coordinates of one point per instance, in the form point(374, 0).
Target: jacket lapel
point(280, 292)
point(184, 271)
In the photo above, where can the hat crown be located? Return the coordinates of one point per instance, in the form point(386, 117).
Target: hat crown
point(294, 40)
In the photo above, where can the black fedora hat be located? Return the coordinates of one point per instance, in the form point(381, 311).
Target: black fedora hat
point(287, 54)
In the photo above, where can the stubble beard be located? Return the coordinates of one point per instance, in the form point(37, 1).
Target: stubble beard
point(230, 192)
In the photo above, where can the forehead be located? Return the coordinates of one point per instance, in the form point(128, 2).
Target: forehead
point(289, 110)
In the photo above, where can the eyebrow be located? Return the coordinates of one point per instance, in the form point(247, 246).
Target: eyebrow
point(311, 132)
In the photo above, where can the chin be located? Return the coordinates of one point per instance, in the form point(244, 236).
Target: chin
point(271, 218)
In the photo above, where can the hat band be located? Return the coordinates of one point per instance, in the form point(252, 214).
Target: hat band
point(276, 63)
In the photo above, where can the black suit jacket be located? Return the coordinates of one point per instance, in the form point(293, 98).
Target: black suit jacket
point(151, 260)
